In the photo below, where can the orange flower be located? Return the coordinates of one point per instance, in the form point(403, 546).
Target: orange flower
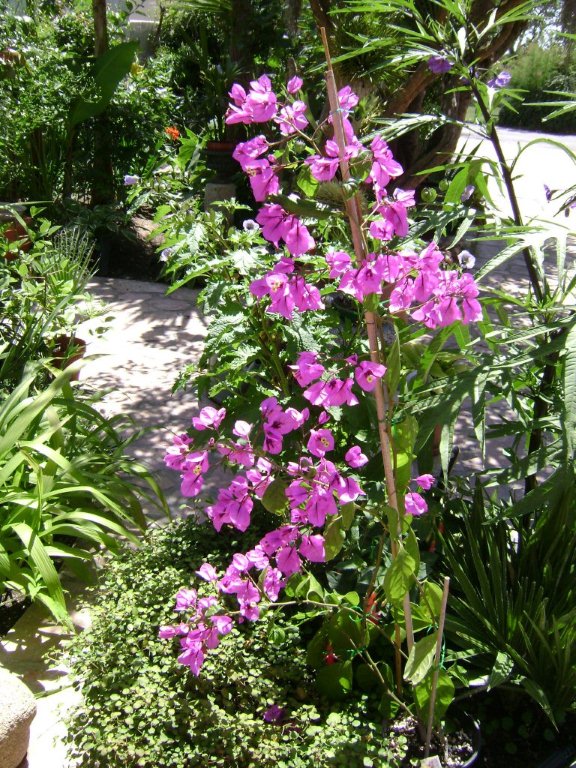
point(172, 132)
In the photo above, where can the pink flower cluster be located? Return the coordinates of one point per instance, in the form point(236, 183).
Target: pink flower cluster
point(287, 290)
point(414, 504)
point(259, 105)
point(261, 171)
point(279, 555)
point(278, 423)
point(316, 491)
point(422, 286)
point(279, 225)
point(331, 392)
point(200, 632)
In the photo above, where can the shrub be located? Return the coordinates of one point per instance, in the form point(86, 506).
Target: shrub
point(140, 710)
point(537, 71)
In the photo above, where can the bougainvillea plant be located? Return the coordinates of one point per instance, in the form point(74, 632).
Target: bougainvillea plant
point(291, 461)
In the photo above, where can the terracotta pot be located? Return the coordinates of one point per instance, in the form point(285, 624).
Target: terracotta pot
point(68, 350)
point(219, 159)
point(13, 231)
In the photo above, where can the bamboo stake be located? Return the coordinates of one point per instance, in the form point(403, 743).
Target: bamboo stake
point(354, 213)
point(434, 689)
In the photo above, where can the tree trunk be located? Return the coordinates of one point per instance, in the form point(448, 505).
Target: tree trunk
point(409, 96)
point(102, 172)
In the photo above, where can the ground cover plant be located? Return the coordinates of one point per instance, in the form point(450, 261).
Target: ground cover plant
point(255, 704)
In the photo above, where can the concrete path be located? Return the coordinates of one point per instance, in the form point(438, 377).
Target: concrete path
point(150, 336)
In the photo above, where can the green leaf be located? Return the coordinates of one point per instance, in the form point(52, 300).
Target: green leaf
point(306, 182)
point(413, 548)
point(334, 537)
point(432, 600)
point(457, 186)
point(444, 695)
point(400, 576)
point(45, 568)
point(276, 635)
point(421, 659)
point(501, 670)
point(569, 384)
point(335, 680)
point(305, 208)
point(107, 72)
point(305, 586)
point(274, 498)
point(537, 693)
point(348, 512)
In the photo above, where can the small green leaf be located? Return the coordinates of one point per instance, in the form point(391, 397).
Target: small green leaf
point(421, 659)
point(334, 537)
point(444, 695)
point(274, 499)
point(400, 576)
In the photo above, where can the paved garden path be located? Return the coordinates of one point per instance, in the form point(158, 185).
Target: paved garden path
point(149, 337)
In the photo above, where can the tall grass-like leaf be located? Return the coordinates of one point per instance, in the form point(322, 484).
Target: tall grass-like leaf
point(569, 387)
point(16, 427)
point(46, 569)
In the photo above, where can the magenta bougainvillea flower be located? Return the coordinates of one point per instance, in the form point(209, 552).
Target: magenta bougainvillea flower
point(294, 84)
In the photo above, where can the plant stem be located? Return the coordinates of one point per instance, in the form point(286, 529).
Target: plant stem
point(354, 213)
point(441, 622)
point(509, 184)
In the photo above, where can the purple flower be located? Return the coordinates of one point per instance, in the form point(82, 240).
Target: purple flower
point(131, 180)
point(415, 504)
point(307, 369)
point(249, 225)
point(312, 548)
point(466, 259)
point(292, 117)
point(274, 714)
point(208, 418)
point(185, 598)
point(347, 98)
point(294, 84)
point(439, 65)
point(355, 458)
point(273, 583)
point(321, 441)
point(288, 561)
point(425, 481)
point(207, 572)
point(500, 81)
point(367, 375)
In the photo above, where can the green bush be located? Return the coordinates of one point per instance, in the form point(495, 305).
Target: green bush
point(66, 487)
point(536, 71)
point(142, 709)
point(45, 69)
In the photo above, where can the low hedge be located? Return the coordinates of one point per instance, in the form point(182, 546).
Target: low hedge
point(142, 709)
